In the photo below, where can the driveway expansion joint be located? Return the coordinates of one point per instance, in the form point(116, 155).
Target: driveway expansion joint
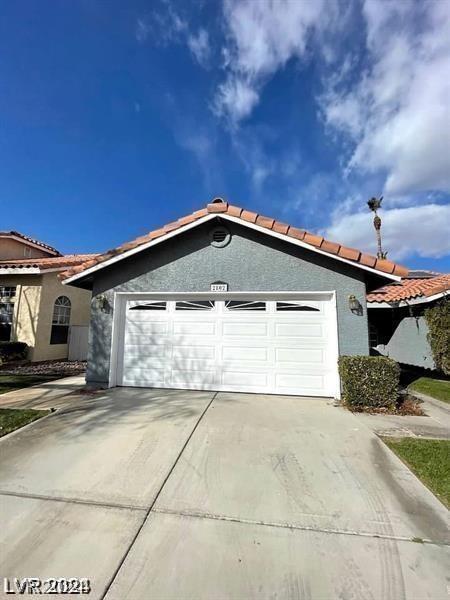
point(99, 504)
point(296, 527)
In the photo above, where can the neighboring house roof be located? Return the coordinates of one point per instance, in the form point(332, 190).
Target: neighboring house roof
point(24, 266)
point(411, 289)
point(220, 208)
point(30, 241)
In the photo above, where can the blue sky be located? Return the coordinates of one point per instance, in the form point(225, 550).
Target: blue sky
point(118, 117)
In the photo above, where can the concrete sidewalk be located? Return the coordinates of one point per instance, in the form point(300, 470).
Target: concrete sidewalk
point(52, 394)
point(435, 425)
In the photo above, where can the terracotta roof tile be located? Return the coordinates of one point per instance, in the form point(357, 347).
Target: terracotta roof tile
point(218, 206)
point(45, 263)
point(385, 265)
point(314, 240)
point(266, 222)
point(234, 211)
point(279, 227)
point(298, 234)
point(349, 253)
point(411, 288)
point(367, 260)
point(330, 247)
point(247, 215)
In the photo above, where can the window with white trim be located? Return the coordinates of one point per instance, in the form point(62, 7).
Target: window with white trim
point(149, 306)
point(295, 306)
point(195, 305)
point(61, 320)
point(238, 305)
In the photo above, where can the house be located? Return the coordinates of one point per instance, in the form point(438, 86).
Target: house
point(226, 299)
point(35, 307)
point(396, 317)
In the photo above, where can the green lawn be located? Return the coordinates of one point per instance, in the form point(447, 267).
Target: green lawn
point(429, 460)
point(17, 382)
point(12, 418)
point(436, 388)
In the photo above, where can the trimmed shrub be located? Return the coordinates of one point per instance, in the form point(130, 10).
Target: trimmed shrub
point(369, 381)
point(438, 321)
point(12, 351)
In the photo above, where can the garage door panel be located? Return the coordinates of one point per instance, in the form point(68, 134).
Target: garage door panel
point(145, 362)
point(245, 353)
point(198, 351)
point(144, 377)
point(299, 355)
point(194, 327)
point(186, 377)
point(265, 350)
point(244, 329)
point(242, 378)
point(155, 327)
point(299, 380)
point(300, 330)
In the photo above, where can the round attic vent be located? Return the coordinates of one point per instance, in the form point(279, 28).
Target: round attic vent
point(219, 236)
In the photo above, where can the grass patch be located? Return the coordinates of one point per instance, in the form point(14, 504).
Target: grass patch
point(13, 418)
point(8, 383)
point(429, 460)
point(436, 388)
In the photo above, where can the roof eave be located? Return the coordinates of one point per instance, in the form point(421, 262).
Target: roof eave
point(101, 265)
point(407, 301)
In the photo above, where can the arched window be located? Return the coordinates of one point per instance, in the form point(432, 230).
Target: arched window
point(60, 321)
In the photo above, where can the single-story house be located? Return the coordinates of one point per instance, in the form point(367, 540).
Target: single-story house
point(35, 307)
point(227, 299)
point(397, 325)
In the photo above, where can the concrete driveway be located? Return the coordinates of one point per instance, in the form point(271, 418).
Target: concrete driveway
point(174, 494)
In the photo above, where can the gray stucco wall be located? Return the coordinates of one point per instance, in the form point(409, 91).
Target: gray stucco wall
point(250, 262)
point(409, 344)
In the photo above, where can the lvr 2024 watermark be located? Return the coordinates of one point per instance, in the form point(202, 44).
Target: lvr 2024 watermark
point(34, 585)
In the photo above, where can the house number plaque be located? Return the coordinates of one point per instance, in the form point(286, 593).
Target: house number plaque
point(219, 286)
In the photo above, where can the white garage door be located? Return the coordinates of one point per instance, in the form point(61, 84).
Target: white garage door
point(248, 345)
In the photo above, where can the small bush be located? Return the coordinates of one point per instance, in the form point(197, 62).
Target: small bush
point(12, 351)
point(438, 321)
point(369, 381)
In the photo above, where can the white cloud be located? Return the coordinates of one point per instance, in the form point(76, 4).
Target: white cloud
point(163, 24)
point(397, 113)
point(199, 46)
point(261, 38)
point(421, 230)
point(235, 98)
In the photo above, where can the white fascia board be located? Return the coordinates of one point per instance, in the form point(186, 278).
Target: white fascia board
point(30, 270)
point(20, 271)
point(227, 217)
point(403, 303)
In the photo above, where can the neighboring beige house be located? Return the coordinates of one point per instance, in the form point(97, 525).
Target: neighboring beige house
point(35, 307)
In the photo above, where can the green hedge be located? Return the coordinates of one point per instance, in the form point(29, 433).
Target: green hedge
point(369, 381)
point(12, 351)
point(438, 321)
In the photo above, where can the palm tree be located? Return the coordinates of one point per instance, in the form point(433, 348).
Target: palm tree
point(374, 204)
